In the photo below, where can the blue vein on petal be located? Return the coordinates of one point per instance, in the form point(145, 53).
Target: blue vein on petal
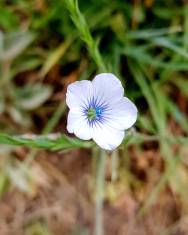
point(99, 106)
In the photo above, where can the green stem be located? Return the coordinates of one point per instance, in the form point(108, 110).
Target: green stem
point(60, 142)
point(100, 181)
point(5, 71)
point(51, 141)
point(81, 24)
point(47, 129)
point(114, 163)
point(54, 119)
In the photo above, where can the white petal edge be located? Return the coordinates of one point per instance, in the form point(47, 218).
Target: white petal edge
point(72, 120)
point(107, 87)
point(106, 137)
point(78, 94)
point(122, 115)
point(78, 125)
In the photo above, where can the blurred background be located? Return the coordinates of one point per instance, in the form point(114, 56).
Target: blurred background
point(143, 42)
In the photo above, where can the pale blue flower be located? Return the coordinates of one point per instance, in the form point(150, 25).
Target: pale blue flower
point(99, 110)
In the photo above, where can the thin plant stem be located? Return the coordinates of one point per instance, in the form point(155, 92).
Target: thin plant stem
point(5, 66)
point(54, 119)
point(54, 141)
point(47, 129)
point(81, 24)
point(114, 163)
point(57, 141)
point(100, 181)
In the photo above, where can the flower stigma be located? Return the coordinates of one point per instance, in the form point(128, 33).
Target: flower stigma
point(94, 113)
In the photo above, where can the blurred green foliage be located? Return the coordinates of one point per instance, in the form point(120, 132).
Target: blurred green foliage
point(145, 43)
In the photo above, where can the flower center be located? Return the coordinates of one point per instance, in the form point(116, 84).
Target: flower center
point(94, 113)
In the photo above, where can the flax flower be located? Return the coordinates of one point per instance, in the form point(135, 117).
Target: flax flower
point(99, 110)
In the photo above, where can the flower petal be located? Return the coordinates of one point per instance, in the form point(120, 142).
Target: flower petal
point(107, 87)
point(107, 137)
point(77, 124)
point(122, 115)
point(72, 120)
point(78, 94)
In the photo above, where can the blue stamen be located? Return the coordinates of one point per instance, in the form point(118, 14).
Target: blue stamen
point(98, 111)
